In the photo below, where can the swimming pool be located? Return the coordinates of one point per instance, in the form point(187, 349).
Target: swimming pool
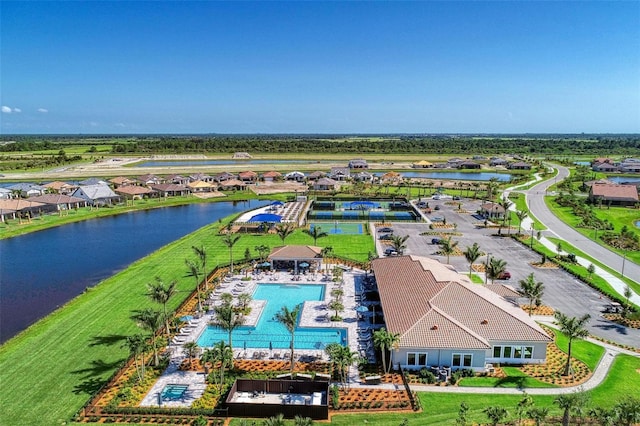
point(171, 392)
point(269, 333)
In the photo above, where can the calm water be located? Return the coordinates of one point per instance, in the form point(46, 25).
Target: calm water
point(43, 270)
point(621, 179)
point(186, 163)
point(482, 176)
point(268, 332)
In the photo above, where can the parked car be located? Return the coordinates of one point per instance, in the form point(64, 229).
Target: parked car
point(506, 275)
point(436, 208)
point(436, 240)
point(422, 205)
point(385, 237)
point(437, 219)
point(390, 251)
point(436, 197)
point(456, 197)
point(385, 229)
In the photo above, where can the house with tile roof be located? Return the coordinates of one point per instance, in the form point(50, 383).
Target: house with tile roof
point(604, 167)
point(60, 201)
point(248, 176)
point(325, 184)
point(519, 165)
point(468, 164)
point(271, 176)
point(614, 194)
point(121, 181)
point(445, 320)
point(296, 257)
point(96, 195)
point(26, 189)
point(423, 164)
point(200, 186)
point(135, 192)
point(60, 187)
point(171, 190)
point(340, 173)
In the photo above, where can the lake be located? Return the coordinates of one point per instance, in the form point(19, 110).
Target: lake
point(622, 179)
point(478, 176)
point(43, 270)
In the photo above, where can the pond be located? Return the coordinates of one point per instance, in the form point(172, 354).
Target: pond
point(43, 270)
point(479, 176)
point(623, 179)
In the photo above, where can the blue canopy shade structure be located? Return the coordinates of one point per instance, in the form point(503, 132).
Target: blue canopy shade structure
point(277, 203)
point(362, 309)
point(303, 265)
point(266, 217)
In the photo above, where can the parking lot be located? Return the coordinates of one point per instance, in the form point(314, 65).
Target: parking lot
point(562, 292)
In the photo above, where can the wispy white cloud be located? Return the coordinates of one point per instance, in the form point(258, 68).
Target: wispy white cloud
point(120, 125)
point(9, 110)
point(42, 110)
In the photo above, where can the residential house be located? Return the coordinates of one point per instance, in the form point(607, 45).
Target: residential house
point(92, 181)
point(122, 181)
point(221, 177)
point(59, 187)
point(519, 165)
point(600, 160)
point(271, 176)
point(295, 176)
point(444, 320)
point(202, 177)
point(391, 177)
point(468, 164)
point(454, 162)
point(60, 201)
point(316, 175)
point(134, 192)
point(26, 190)
point(613, 194)
point(497, 161)
point(358, 163)
point(340, 173)
point(363, 177)
point(422, 165)
point(6, 194)
point(178, 179)
point(492, 210)
point(630, 165)
point(149, 179)
point(325, 184)
point(10, 209)
point(232, 185)
point(604, 167)
point(171, 190)
point(97, 194)
point(198, 186)
point(248, 176)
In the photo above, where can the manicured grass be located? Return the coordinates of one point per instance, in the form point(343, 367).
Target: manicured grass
point(50, 370)
point(515, 379)
point(585, 351)
point(623, 379)
point(477, 279)
point(521, 205)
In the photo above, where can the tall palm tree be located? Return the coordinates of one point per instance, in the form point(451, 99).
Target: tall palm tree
point(532, 290)
point(385, 340)
point(137, 346)
point(220, 352)
point(491, 187)
point(263, 251)
point(569, 402)
point(202, 255)
point(472, 253)
point(448, 247)
point(150, 320)
point(326, 253)
point(573, 328)
point(230, 241)
point(342, 357)
point(521, 215)
point(191, 350)
point(398, 243)
point(194, 271)
point(495, 268)
point(315, 233)
point(289, 318)
point(284, 230)
point(227, 317)
point(160, 292)
point(505, 204)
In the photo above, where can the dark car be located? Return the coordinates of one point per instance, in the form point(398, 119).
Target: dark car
point(506, 275)
point(390, 251)
point(385, 229)
point(386, 237)
point(436, 240)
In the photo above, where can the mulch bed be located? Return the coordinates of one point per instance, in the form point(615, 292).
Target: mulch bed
point(539, 310)
point(546, 265)
point(618, 318)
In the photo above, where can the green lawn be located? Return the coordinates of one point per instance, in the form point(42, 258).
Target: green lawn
point(50, 370)
point(515, 379)
point(585, 351)
point(521, 205)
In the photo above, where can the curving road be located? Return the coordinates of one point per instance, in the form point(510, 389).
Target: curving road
point(537, 206)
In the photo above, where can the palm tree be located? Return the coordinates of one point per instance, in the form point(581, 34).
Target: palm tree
point(337, 306)
point(495, 268)
point(573, 328)
point(262, 250)
point(137, 346)
point(194, 271)
point(398, 243)
point(532, 290)
point(385, 340)
point(220, 352)
point(277, 420)
point(244, 299)
point(228, 318)
point(491, 186)
point(315, 233)
point(472, 254)
point(521, 215)
point(284, 230)
point(151, 320)
point(538, 414)
point(202, 255)
point(160, 292)
point(505, 204)
point(230, 241)
point(191, 350)
point(289, 318)
point(569, 402)
point(495, 414)
point(298, 420)
point(326, 253)
point(342, 357)
point(448, 247)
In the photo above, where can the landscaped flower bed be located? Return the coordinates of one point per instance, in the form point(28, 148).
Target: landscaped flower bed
point(618, 318)
point(539, 310)
point(551, 372)
point(373, 399)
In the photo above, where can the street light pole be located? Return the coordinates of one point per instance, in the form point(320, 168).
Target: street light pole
point(486, 269)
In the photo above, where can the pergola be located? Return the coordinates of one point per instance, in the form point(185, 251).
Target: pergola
point(296, 258)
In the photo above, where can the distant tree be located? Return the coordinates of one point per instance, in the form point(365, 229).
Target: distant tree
point(137, 346)
point(150, 320)
point(573, 328)
point(315, 233)
point(463, 414)
point(591, 269)
point(523, 406)
point(263, 251)
point(326, 253)
point(627, 293)
point(194, 271)
point(202, 255)
point(521, 215)
point(230, 241)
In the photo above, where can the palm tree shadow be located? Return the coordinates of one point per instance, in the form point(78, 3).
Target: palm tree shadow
point(509, 381)
point(99, 368)
point(90, 386)
point(108, 340)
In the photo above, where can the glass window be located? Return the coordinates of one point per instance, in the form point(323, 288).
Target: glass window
point(456, 360)
point(411, 358)
point(517, 352)
point(528, 352)
point(507, 352)
point(422, 359)
point(496, 351)
point(467, 360)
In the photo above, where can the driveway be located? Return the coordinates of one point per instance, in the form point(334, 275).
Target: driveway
point(562, 291)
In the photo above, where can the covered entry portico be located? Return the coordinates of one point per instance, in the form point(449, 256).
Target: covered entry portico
point(296, 258)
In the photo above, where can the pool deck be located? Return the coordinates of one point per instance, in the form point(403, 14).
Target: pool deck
point(314, 314)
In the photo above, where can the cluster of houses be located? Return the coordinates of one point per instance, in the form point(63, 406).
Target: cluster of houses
point(607, 165)
point(473, 163)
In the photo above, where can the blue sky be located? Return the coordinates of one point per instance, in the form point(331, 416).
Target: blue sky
point(325, 67)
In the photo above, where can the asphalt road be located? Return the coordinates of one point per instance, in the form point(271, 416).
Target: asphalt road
point(537, 206)
point(562, 292)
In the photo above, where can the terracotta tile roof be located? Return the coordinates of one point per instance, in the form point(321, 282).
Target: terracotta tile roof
point(492, 207)
point(247, 174)
point(133, 190)
point(199, 184)
point(121, 180)
point(19, 204)
point(418, 293)
point(58, 185)
point(166, 187)
point(614, 192)
point(295, 252)
point(272, 174)
point(503, 290)
point(57, 199)
point(233, 182)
